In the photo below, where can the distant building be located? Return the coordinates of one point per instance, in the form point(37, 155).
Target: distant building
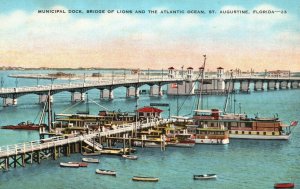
point(278, 73)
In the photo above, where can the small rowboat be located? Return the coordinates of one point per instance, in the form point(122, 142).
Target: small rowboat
point(284, 185)
point(72, 165)
point(132, 157)
point(80, 164)
point(106, 172)
point(205, 176)
point(145, 179)
point(90, 160)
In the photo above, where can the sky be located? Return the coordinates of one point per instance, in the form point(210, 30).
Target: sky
point(259, 41)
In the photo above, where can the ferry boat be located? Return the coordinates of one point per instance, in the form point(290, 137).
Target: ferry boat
point(241, 127)
point(205, 132)
point(23, 126)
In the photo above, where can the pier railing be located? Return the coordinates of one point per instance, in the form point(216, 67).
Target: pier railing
point(27, 147)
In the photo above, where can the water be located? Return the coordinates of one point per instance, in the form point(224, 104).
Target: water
point(241, 164)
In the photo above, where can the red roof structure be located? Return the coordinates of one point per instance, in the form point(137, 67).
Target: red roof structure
point(220, 68)
point(190, 68)
point(149, 109)
point(171, 68)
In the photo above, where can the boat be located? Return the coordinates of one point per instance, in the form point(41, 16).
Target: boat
point(197, 125)
point(132, 157)
point(145, 179)
point(240, 126)
point(284, 185)
point(23, 126)
point(106, 172)
point(216, 126)
point(188, 143)
point(90, 160)
point(147, 144)
point(80, 164)
point(91, 154)
point(205, 177)
point(72, 165)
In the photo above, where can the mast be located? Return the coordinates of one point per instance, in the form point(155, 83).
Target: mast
point(227, 97)
point(201, 88)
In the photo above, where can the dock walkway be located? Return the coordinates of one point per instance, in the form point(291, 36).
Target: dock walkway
point(37, 145)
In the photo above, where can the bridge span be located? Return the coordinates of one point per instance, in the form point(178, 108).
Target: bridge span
point(176, 85)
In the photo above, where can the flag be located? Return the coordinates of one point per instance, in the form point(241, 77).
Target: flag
point(174, 85)
point(294, 123)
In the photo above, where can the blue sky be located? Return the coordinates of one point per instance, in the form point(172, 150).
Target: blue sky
point(259, 41)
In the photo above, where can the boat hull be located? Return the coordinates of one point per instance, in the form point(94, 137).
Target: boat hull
point(183, 145)
point(260, 137)
point(131, 157)
point(284, 185)
point(70, 165)
point(212, 141)
point(205, 177)
point(106, 172)
point(145, 179)
point(90, 160)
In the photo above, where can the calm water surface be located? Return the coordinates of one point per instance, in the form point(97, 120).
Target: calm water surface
point(241, 164)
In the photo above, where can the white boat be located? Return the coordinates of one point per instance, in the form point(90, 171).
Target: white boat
point(106, 172)
point(72, 165)
point(145, 179)
point(205, 177)
point(132, 157)
point(147, 144)
point(90, 160)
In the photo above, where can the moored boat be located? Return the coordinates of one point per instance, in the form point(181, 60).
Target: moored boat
point(90, 160)
point(145, 179)
point(284, 185)
point(23, 126)
point(106, 172)
point(72, 165)
point(188, 143)
point(91, 154)
point(205, 176)
point(132, 157)
point(80, 164)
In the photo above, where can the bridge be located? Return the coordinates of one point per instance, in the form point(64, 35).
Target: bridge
point(34, 151)
point(185, 85)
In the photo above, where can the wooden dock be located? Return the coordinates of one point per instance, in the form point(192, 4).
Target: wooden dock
point(34, 151)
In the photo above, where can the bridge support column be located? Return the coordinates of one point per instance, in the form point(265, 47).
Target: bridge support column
point(244, 86)
point(258, 85)
point(111, 94)
point(294, 84)
point(75, 96)
point(151, 91)
point(127, 91)
point(8, 101)
point(272, 85)
point(82, 96)
point(14, 101)
point(137, 92)
point(43, 98)
point(160, 93)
